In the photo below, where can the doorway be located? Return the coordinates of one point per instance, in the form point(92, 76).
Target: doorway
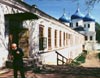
point(19, 35)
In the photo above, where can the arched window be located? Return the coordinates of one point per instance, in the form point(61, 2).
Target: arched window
point(86, 38)
point(84, 25)
point(88, 25)
point(71, 24)
point(91, 37)
point(76, 24)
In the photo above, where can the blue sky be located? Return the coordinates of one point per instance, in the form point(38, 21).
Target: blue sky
point(55, 7)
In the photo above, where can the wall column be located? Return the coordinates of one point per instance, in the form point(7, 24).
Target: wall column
point(46, 35)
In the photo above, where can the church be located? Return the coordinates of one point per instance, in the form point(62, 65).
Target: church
point(84, 24)
point(53, 41)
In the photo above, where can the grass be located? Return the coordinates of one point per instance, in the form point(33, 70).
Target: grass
point(80, 59)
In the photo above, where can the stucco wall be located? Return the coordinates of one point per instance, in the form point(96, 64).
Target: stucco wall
point(92, 26)
point(4, 9)
point(71, 50)
point(79, 21)
point(33, 27)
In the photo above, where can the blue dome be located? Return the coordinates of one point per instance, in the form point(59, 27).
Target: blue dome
point(64, 19)
point(88, 17)
point(77, 15)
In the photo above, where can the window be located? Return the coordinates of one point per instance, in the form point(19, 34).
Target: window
point(49, 38)
point(55, 38)
point(41, 31)
point(71, 24)
point(85, 25)
point(86, 38)
point(77, 24)
point(88, 25)
point(91, 37)
point(60, 39)
point(71, 39)
point(69, 36)
point(64, 38)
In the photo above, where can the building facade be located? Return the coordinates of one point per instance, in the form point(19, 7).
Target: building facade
point(35, 32)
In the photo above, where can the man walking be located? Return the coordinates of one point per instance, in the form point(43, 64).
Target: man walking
point(17, 55)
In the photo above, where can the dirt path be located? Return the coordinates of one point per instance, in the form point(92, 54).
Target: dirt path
point(91, 60)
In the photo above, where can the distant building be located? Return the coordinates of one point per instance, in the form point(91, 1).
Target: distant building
point(36, 33)
point(84, 25)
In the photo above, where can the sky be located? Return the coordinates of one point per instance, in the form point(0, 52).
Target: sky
point(55, 8)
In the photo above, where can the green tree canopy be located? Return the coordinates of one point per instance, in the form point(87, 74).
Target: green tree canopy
point(98, 32)
point(90, 2)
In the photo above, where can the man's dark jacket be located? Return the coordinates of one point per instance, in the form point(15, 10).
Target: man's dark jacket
point(17, 58)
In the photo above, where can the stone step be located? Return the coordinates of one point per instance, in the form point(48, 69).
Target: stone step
point(5, 70)
point(61, 72)
point(73, 70)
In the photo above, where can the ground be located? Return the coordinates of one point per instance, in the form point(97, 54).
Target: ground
point(92, 60)
point(89, 69)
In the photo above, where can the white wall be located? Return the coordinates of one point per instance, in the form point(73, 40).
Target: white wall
point(3, 56)
point(92, 26)
point(33, 27)
point(4, 9)
point(72, 50)
point(79, 21)
point(68, 24)
point(3, 45)
point(90, 31)
point(70, 53)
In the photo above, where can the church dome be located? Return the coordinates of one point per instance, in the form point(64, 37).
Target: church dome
point(64, 18)
point(77, 15)
point(88, 17)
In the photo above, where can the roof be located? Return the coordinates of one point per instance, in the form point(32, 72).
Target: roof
point(79, 28)
point(22, 16)
point(64, 18)
point(88, 17)
point(77, 15)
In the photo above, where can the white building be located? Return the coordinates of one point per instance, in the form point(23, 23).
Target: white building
point(36, 32)
point(84, 25)
point(90, 33)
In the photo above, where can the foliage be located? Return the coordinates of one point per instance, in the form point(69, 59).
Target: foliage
point(98, 32)
point(92, 2)
point(89, 3)
point(80, 59)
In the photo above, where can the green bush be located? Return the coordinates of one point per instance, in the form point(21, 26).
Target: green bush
point(80, 59)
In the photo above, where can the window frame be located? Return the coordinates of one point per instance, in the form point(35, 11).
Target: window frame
point(49, 38)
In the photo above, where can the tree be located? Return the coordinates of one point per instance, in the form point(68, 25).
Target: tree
point(98, 32)
point(90, 2)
